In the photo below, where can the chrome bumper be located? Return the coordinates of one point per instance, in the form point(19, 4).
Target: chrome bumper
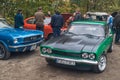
point(75, 60)
point(25, 45)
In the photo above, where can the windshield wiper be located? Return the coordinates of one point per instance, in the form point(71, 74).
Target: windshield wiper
point(90, 35)
point(72, 33)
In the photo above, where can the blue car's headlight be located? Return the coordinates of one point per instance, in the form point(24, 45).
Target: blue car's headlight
point(42, 36)
point(15, 40)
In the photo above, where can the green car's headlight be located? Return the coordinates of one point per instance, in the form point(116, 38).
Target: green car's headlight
point(44, 50)
point(85, 55)
point(49, 50)
point(91, 56)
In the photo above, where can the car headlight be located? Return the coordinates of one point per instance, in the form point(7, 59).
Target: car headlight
point(44, 50)
point(42, 36)
point(85, 55)
point(49, 50)
point(15, 40)
point(92, 56)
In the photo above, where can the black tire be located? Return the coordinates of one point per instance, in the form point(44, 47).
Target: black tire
point(110, 48)
point(4, 53)
point(49, 61)
point(101, 66)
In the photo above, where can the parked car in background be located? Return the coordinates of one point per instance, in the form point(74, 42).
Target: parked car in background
point(83, 46)
point(100, 16)
point(17, 39)
point(29, 24)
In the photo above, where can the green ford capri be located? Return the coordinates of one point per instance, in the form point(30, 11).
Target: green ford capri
point(83, 46)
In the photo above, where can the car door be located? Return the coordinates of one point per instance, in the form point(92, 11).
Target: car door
point(108, 37)
point(29, 23)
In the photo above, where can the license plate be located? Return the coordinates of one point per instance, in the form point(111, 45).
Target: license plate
point(66, 62)
point(33, 47)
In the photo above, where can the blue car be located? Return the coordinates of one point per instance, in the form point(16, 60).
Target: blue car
point(17, 39)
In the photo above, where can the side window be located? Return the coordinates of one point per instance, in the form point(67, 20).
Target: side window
point(47, 20)
point(31, 21)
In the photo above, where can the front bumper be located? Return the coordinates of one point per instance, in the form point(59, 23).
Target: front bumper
point(75, 60)
point(24, 47)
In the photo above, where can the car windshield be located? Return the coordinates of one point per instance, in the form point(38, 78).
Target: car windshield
point(87, 29)
point(3, 24)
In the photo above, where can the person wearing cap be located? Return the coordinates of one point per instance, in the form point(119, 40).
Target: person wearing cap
point(18, 19)
point(39, 19)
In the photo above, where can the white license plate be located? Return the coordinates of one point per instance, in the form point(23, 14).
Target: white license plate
point(33, 47)
point(66, 62)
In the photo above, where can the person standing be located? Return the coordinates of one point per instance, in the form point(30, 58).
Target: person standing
point(110, 22)
point(39, 19)
point(57, 22)
point(77, 15)
point(116, 25)
point(70, 19)
point(18, 19)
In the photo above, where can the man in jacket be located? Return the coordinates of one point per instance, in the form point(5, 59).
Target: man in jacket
point(57, 22)
point(77, 15)
point(116, 25)
point(39, 19)
point(19, 19)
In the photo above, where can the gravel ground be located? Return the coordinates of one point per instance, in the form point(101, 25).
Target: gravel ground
point(31, 66)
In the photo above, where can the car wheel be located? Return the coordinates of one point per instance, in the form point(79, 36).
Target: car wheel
point(49, 61)
point(102, 63)
point(4, 53)
point(110, 48)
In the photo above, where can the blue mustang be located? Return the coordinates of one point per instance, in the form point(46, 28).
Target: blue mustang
point(17, 39)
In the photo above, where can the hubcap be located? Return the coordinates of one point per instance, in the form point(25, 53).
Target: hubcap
point(102, 63)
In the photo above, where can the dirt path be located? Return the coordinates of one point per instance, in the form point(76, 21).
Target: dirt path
point(30, 66)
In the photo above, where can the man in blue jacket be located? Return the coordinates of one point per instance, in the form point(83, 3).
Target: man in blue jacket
point(19, 19)
point(57, 22)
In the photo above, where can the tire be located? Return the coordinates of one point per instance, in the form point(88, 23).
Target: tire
point(101, 66)
point(49, 61)
point(110, 48)
point(4, 53)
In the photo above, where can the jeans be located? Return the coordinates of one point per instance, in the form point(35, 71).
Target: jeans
point(117, 36)
point(40, 28)
point(56, 31)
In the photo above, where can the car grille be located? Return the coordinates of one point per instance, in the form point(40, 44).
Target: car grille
point(32, 38)
point(67, 54)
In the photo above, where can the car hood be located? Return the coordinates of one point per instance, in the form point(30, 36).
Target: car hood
point(75, 43)
point(18, 32)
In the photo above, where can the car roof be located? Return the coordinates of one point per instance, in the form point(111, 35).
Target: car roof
point(90, 22)
point(97, 13)
point(2, 18)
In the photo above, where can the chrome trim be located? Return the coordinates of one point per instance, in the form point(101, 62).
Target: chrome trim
point(76, 60)
point(25, 45)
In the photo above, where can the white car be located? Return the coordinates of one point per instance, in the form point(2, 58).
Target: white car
point(100, 16)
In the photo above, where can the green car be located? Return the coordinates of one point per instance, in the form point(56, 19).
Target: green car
point(83, 46)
